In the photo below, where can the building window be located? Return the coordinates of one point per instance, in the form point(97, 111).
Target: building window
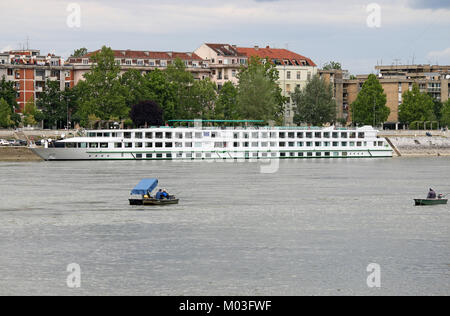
point(288, 75)
point(299, 75)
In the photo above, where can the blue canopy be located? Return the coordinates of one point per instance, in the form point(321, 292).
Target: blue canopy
point(144, 186)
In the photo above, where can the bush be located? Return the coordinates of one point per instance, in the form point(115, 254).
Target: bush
point(128, 123)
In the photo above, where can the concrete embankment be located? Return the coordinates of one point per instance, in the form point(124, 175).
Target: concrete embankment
point(418, 144)
point(9, 153)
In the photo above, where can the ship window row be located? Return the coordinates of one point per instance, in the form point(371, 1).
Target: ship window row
point(223, 144)
point(293, 135)
point(192, 155)
point(300, 144)
point(236, 135)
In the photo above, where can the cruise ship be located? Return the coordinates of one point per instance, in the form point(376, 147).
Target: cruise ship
point(201, 143)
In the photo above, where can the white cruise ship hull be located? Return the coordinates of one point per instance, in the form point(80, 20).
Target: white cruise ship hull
point(210, 144)
point(80, 154)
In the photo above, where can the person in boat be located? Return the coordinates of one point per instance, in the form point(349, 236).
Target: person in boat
point(158, 195)
point(165, 194)
point(431, 194)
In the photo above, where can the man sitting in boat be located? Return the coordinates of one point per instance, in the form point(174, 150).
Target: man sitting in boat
point(165, 195)
point(158, 195)
point(431, 194)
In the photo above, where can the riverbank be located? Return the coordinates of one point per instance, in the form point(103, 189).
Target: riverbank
point(18, 154)
point(34, 134)
point(418, 144)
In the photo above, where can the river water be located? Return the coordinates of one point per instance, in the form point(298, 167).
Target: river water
point(311, 228)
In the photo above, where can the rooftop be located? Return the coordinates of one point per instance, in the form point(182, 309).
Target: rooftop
point(278, 56)
point(225, 50)
point(137, 54)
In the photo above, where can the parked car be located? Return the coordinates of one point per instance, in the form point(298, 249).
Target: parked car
point(14, 142)
point(4, 142)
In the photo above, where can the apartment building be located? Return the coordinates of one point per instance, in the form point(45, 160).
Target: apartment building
point(294, 70)
point(144, 61)
point(343, 90)
point(30, 71)
point(224, 61)
point(395, 80)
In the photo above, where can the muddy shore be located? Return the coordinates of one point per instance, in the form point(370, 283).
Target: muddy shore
point(18, 154)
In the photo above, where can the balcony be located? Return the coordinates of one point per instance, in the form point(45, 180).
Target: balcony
point(38, 89)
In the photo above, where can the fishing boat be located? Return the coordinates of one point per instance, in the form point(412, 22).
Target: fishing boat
point(141, 194)
point(422, 202)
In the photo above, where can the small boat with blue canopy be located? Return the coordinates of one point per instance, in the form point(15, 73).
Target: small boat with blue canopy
point(142, 194)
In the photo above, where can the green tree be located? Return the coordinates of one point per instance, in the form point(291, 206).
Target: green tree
point(226, 105)
point(30, 112)
point(437, 108)
point(181, 81)
point(259, 96)
point(160, 89)
point(332, 65)
point(416, 106)
point(370, 108)
point(134, 84)
point(80, 52)
point(51, 105)
point(154, 85)
point(204, 96)
point(101, 93)
point(8, 93)
point(315, 104)
point(445, 114)
point(5, 114)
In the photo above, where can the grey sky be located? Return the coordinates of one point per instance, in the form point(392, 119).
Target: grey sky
point(321, 30)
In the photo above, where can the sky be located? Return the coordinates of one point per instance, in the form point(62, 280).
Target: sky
point(358, 34)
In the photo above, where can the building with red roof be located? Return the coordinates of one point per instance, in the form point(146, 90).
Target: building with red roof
point(29, 71)
point(294, 71)
point(224, 60)
point(144, 61)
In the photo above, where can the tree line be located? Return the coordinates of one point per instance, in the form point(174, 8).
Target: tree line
point(107, 95)
point(156, 97)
